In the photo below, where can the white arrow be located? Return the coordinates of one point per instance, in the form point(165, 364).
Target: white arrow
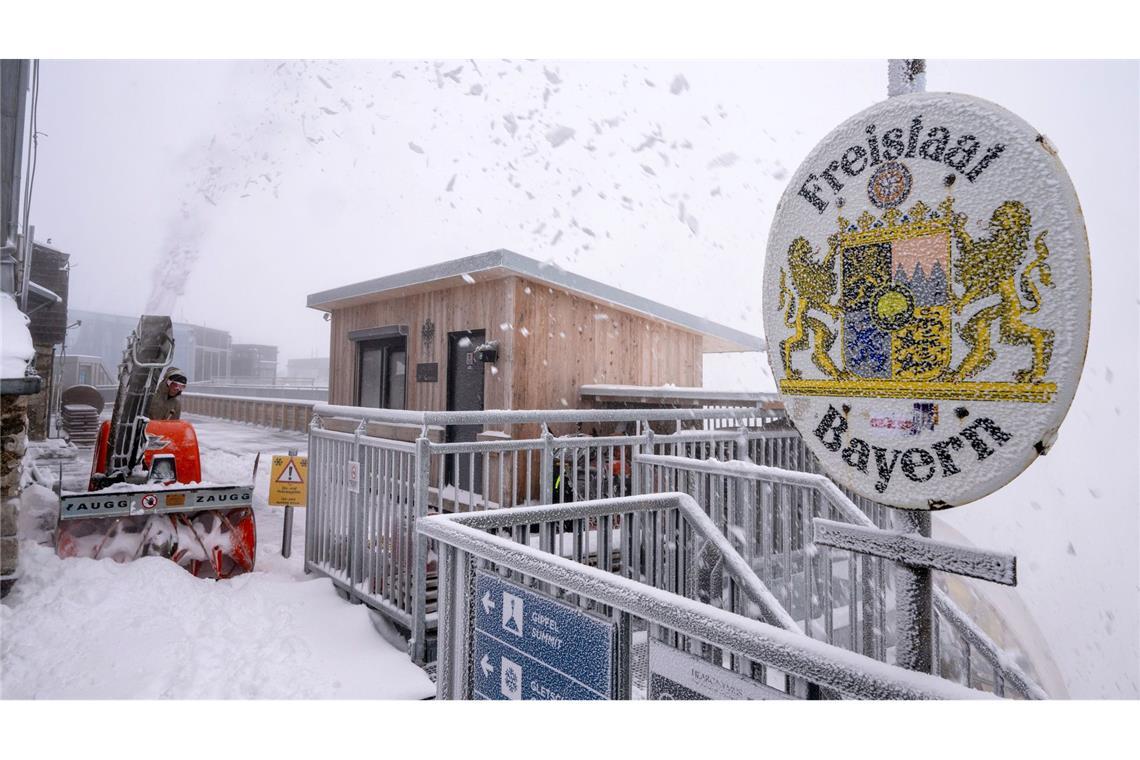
point(488, 605)
point(486, 665)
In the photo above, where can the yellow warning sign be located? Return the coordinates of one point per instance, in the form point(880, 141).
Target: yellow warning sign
point(288, 481)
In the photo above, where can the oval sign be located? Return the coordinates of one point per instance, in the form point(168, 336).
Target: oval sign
point(926, 299)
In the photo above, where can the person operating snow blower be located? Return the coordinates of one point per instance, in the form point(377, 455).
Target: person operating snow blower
point(145, 496)
point(165, 404)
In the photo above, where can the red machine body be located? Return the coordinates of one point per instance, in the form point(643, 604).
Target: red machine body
point(145, 496)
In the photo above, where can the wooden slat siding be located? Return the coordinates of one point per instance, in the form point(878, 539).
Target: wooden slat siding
point(284, 415)
point(611, 350)
point(623, 348)
point(479, 306)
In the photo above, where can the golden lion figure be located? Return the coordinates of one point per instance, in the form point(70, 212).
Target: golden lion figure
point(989, 266)
point(815, 284)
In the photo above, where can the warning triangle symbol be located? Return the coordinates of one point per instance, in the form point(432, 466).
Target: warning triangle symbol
point(290, 474)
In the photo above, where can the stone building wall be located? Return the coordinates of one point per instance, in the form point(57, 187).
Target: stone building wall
point(39, 403)
point(13, 441)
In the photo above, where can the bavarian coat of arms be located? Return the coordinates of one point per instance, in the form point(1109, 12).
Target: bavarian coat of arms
point(892, 291)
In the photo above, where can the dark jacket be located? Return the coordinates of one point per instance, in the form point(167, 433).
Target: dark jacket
point(162, 405)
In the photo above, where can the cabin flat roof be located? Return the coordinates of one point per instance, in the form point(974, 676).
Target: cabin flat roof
point(494, 265)
point(677, 395)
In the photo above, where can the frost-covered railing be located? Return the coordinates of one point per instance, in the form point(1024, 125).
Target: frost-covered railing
point(630, 567)
point(837, 596)
point(362, 534)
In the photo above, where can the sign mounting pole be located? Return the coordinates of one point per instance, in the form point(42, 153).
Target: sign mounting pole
point(287, 532)
point(914, 586)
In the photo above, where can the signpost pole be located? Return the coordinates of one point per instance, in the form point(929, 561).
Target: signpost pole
point(287, 533)
point(914, 592)
point(913, 586)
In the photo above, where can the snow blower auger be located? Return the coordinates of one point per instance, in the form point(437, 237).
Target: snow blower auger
point(145, 498)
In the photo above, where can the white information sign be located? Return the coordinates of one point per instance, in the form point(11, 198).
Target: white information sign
point(926, 299)
point(352, 475)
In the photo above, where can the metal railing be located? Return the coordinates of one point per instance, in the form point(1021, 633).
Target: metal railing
point(365, 539)
point(363, 535)
point(626, 569)
point(837, 596)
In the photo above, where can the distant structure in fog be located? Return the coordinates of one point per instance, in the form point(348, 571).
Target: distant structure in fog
point(205, 354)
point(253, 362)
point(314, 371)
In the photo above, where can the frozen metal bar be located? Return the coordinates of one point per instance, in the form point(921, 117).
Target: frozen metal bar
point(919, 551)
point(913, 601)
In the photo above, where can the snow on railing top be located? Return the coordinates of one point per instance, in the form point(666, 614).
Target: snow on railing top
point(508, 416)
point(847, 672)
point(741, 469)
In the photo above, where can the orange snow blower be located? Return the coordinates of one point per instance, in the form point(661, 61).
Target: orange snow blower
point(145, 496)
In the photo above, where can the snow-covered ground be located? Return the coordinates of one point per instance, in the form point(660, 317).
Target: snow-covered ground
point(86, 629)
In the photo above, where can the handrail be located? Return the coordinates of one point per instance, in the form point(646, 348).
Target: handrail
point(846, 672)
point(508, 416)
point(738, 468)
point(843, 504)
point(526, 444)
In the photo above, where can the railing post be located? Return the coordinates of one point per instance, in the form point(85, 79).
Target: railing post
point(646, 448)
point(311, 499)
point(913, 600)
point(418, 645)
point(546, 478)
point(745, 505)
point(445, 632)
point(355, 523)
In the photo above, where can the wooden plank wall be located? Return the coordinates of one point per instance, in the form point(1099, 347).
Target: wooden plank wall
point(563, 341)
point(550, 343)
point(481, 305)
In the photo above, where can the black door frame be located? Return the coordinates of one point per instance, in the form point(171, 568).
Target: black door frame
point(462, 432)
point(386, 344)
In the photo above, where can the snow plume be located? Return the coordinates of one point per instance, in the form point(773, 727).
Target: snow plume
point(213, 173)
point(242, 158)
point(180, 253)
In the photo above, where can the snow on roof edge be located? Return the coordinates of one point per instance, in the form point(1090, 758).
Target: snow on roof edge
point(549, 273)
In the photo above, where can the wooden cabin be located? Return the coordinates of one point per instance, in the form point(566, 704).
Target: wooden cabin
point(503, 331)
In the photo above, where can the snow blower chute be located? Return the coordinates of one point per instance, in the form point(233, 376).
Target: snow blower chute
point(144, 497)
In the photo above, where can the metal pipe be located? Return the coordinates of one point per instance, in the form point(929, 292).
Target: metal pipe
point(913, 600)
point(287, 532)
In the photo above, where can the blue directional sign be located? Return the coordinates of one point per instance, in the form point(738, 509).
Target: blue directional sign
point(530, 646)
